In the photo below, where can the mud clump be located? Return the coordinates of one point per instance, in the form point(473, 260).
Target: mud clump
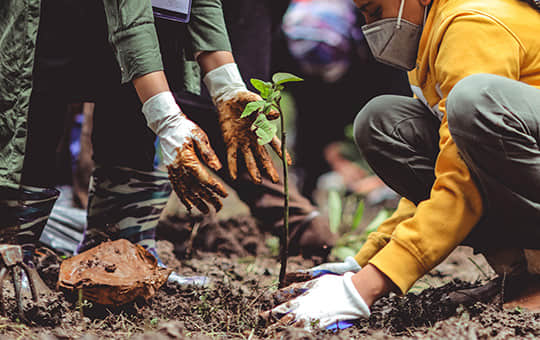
point(295, 277)
point(113, 273)
point(48, 311)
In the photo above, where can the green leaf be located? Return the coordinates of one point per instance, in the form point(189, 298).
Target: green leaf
point(272, 243)
point(334, 210)
point(274, 96)
point(264, 129)
point(252, 107)
point(343, 252)
point(282, 78)
point(358, 214)
point(264, 87)
point(380, 218)
point(267, 108)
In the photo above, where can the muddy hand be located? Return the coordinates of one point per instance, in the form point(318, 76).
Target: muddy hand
point(12, 264)
point(230, 96)
point(190, 180)
point(333, 268)
point(330, 302)
point(180, 138)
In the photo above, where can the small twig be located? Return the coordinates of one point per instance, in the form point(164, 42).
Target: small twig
point(501, 301)
point(80, 303)
point(251, 334)
point(192, 236)
point(479, 268)
point(257, 297)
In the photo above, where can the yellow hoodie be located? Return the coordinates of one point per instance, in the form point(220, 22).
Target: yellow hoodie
point(460, 38)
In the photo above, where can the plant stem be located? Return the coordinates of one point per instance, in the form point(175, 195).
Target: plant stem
point(285, 236)
point(80, 303)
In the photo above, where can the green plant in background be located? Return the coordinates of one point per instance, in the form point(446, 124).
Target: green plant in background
point(345, 214)
point(335, 210)
point(271, 99)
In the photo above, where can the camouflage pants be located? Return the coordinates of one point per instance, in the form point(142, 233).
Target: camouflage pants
point(23, 215)
point(125, 203)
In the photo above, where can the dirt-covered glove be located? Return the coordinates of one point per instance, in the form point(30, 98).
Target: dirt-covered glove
point(230, 95)
point(334, 268)
point(330, 302)
point(179, 138)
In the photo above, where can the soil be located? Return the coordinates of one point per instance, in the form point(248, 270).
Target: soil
point(244, 271)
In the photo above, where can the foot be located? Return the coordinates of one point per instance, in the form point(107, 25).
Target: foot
point(521, 291)
point(524, 293)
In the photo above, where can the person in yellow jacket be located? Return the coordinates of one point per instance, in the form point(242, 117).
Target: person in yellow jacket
point(463, 153)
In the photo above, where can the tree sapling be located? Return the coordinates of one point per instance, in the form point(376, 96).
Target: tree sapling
point(271, 100)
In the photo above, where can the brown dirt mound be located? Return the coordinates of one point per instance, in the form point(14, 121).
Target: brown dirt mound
point(237, 237)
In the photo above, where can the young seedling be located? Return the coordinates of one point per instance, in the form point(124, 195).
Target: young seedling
point(271, 100)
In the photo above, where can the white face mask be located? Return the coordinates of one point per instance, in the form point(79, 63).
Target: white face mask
point(394, 41)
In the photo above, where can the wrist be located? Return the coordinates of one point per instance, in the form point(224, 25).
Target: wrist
point(372, 284)
point(161, 110)
point(224, 82)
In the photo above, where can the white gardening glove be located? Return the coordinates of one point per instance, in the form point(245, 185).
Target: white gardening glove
point(334, 268)
point(230, 95)
point(330, 302)
point(179, 137)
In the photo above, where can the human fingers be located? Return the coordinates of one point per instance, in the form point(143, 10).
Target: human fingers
point(275, 143)
point(183, 189)
point(232, 159)
point(197, 201)
point(175, 177)
point(266, 162)
point(209, 196)
point(205, 149)
point(291, 291)
point(251, 164)
point(196, 169)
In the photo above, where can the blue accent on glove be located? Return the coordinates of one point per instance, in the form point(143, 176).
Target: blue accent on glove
point(343, 324)
point(321, 272)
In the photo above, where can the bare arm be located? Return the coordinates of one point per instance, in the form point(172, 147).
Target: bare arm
point(150, 84)
point(213, 59)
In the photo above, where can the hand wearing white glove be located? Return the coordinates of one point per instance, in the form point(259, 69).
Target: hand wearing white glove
point(230, 95)
point(333, 268)
point(330, 301)
point(179, 137)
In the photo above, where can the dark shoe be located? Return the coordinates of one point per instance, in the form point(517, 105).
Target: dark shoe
point(523, 292)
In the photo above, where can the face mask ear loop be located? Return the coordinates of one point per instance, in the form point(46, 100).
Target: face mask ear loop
point(425, 15)
point(398, 24)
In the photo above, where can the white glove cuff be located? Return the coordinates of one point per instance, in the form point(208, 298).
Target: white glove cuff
point(224, 82)
point(160, 110)
point(354, 297)
point(352, 265)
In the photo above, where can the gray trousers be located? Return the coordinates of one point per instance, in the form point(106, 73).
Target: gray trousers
point(495, 122)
